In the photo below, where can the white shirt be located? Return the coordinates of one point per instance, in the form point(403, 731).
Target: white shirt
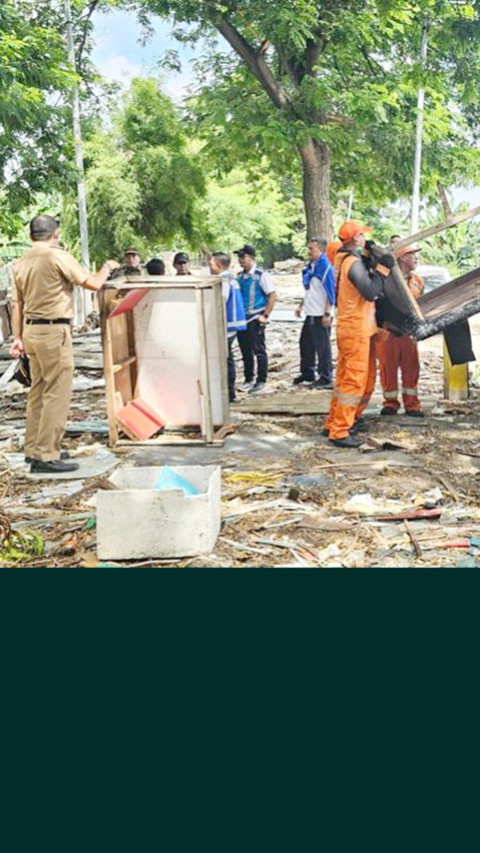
point(266, 282)
point(315, 298)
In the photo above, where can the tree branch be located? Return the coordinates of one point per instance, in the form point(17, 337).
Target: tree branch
point(256, 62)
point(93, 5)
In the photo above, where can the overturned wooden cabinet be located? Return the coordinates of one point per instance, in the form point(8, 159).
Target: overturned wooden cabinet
point(165, 359)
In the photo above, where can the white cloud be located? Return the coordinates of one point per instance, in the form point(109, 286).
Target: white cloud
point(119, 68)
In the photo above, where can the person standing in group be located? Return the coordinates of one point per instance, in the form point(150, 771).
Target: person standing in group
point(132, 264)
point(399, 351)
point(357, 289)
point(42, 300)
point(258, 292)
point(317, 304)
point(155, 267)
point(181, 262)
point(219, 263)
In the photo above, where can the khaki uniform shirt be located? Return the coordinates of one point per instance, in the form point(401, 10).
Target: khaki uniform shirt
point(43, 281)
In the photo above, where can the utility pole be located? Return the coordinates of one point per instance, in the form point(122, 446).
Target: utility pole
point(417, 166)
point(80, 294)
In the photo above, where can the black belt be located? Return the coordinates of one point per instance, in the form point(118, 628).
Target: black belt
point(30, 322)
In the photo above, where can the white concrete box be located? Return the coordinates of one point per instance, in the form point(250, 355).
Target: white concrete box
point(135, 521)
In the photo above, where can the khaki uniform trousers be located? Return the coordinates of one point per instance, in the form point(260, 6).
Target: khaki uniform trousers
point(50, 352)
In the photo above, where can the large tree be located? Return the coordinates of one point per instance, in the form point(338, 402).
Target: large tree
point(336, 81)
point(141, 177)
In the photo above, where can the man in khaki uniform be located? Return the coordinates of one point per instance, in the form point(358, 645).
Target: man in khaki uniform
point(42, 299)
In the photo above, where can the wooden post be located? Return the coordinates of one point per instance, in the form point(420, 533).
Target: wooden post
point(108, 367)
point(222, 346)
point(206, 397)
point(455, 378)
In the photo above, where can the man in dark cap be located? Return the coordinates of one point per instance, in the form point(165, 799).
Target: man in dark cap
point(42, 300)
point(180, 262)
point(258, 292)
point(132, 264)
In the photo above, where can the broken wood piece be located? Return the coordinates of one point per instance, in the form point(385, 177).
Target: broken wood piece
point(411, 515)
point(436, 229)
point(413, 539)
point(227, 429)
point(457, 543)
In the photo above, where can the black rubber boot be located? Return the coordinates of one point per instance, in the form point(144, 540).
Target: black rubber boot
point(388, 411)
point(415, 413)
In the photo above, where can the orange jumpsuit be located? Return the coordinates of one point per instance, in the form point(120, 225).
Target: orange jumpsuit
point(401, 352)
point(356, 365)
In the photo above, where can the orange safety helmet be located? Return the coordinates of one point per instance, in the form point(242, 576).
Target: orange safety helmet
point(352, 229)
point(332, 249)
point(406, 250)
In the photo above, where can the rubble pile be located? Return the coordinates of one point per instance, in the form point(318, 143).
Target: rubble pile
point(289, 498)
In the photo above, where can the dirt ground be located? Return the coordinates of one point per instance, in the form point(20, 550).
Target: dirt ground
point(289, 498)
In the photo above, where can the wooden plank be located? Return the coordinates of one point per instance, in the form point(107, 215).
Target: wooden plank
point(170, 441)
point(205, 390)
point(108, 369)
point(451, 296)
point(286, 403)
point(123, 364)
point(221, 327)
point(436, 229)
point(160, 282)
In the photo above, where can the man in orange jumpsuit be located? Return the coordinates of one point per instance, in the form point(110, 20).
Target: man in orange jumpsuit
point(357, 289)
point(399, 351)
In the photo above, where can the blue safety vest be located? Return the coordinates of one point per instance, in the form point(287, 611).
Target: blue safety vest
point(235, 309)
point(254, 299)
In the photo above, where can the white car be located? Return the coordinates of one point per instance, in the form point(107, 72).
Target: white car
point(433, 276)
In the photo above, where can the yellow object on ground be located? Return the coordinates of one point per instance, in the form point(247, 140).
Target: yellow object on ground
point(455, 378)
point(255, 478)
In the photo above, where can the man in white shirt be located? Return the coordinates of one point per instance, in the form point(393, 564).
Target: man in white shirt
point(258, 292)
point(317, 305)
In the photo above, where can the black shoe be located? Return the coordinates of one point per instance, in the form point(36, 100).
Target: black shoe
point(323, 383)
point(64, 454)
point(54, 466)
point(257, 388)
point(359, 426)
point(415, 413)
point(301, 378)
point(348, 441)
point(388, 411)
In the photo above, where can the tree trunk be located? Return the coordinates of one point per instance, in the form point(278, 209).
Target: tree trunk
point(316, 188)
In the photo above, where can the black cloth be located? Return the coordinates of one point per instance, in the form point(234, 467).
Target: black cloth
point(459, 343)
point(252, 346)
point(370, 285)
point(231, 370)
point(315, 345)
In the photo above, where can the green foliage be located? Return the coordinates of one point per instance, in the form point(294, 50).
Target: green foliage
point(34, 136)
point(239, 210)
point(142, 181)
point(457, 248)
point(343, 72)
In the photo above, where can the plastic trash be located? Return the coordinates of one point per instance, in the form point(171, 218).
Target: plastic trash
point(168, 479)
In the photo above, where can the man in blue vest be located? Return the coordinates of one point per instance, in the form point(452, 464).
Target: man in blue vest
point(317, 304)
point(258, 292)
point(219, 264)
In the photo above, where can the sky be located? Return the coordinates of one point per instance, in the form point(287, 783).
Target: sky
point(119, 55)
